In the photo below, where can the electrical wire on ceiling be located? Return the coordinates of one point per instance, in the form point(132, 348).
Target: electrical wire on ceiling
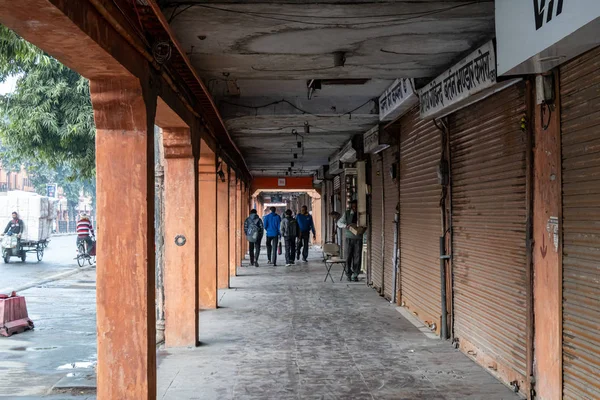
point(284, 101)
point(265, 15)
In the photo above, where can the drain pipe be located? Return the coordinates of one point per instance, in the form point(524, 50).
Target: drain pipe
point(443, 258)
point(395, 258)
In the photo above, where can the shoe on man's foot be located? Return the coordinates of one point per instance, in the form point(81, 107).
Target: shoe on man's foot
point(274, 265)
point(355, 279)
point(349, 278)
point(255, 265)
point(305, 260)
point(288, 265)
point(269, 262)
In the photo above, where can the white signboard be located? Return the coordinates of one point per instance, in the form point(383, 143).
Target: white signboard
point(372, 141)
point(470, 76)
point(396, 99)
point(536, 35)
point(281, 182)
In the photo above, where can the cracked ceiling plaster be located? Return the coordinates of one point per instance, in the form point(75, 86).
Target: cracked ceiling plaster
point(268, 50)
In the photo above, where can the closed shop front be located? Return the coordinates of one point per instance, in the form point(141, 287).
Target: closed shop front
point(376, 230)
point(420, 218)
point(489, 220)
point(390, 200)
point(580, 137)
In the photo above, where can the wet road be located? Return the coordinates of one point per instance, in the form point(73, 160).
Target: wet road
point(59, 257)
point(64, 312)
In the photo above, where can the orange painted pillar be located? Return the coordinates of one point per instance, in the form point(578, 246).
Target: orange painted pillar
point(547, 254)
point(238, 241)
point(232, 223)
point(223, 201)
point(244, 216)
point(207, 232)
point(181, 285)
point(125, 287)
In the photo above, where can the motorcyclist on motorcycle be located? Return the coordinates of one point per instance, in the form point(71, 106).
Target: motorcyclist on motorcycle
point(15, 226)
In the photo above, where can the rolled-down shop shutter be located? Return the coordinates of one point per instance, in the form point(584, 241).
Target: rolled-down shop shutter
point(376, 228)
point(580, 125)
point(390, 198)
point(420, 217)
point(488, 156)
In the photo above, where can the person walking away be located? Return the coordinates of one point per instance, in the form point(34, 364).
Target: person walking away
point(306, 225)
point(272, 224)
point(85, 232)
point(289, 233)
point(254, 229)
point(353, 242)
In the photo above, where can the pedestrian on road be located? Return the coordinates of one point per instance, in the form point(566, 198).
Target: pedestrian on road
point(353, 241)
point(272, 224)
point(254, 229)
point(306, 225)
point(289, 233)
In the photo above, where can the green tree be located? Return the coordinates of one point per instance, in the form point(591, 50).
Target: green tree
point(48, 119)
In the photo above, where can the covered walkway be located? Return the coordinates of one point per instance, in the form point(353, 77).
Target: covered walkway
point(282, 333)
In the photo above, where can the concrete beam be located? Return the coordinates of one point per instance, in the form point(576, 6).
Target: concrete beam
point(233, 227)
point(125, 266)
point(181, 284)
point(223, 215)
point(207, 222)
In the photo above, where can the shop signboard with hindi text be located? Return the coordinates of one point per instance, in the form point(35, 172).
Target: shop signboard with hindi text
point(449, 91)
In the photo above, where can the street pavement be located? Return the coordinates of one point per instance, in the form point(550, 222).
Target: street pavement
point(59, 257)
point(61, 301)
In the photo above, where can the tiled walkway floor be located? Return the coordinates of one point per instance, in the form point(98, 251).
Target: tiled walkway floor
point(282, 333)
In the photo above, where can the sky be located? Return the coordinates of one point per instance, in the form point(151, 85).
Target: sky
point(8, 85)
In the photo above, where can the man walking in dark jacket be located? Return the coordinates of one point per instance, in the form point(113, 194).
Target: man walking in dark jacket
point(253, 228)
point(289, 232)
point(306, 225)
point(272, 222)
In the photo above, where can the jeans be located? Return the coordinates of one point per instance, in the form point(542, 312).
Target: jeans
point(272, 242)
point(290, 250)
point(254, 248)
point(353, 256)
point(303, 245)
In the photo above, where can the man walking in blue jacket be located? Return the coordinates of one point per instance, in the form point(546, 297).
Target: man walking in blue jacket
point(306, 225)
point(272, 224)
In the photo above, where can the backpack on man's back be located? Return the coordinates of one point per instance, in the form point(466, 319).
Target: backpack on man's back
point(292, 228)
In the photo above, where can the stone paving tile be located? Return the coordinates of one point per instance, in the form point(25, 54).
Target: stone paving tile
point(282, 333)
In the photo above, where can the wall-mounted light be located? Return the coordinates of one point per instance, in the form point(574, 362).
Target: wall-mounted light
point(306, 127)
point(220, 172)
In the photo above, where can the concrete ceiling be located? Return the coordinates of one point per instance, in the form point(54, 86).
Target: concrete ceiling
point(257, 56)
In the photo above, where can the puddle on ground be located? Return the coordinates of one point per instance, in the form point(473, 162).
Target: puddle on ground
point(23, 348)
point(76, 365)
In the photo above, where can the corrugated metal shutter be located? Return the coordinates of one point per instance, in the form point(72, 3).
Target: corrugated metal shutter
point(376, 231)
point(390, 194)
point(337, 183)
point(580, 125)
point(420, 217)
point(488, 152)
